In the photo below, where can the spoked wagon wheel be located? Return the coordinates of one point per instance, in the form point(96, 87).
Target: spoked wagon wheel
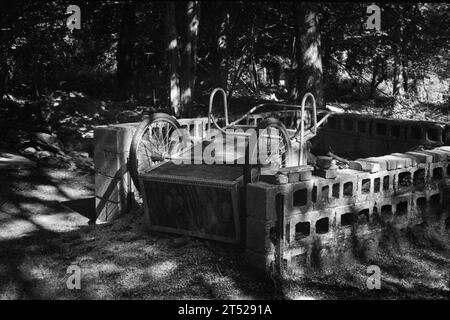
point(156, 140)
point(273, 147)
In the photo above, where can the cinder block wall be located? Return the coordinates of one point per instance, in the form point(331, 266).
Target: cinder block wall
point(325, 219)
point(388, 183)
point(114, 190)
point(354, 135)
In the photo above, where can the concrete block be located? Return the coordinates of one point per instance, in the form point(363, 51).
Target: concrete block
point(261, 199)
point(274, 178)
point(114, 138)
point(112, 189)
point(299, 195)
point(381, 164)
point(365, 185)
point(293, 177)
point(299, 173)
point(402, 162)
point(305, 176)
point(104, 183)
point(362, 165)
point(421, 157)
point(327, 174)
point(110, 164)
point(446, 150)
point(107, 210)
point(438, 155)
point(412, 160)
point(259, 234)
point(104, 136)
point(391, 163)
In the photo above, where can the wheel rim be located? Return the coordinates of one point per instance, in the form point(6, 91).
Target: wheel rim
point(157, 144)
point(273, 148)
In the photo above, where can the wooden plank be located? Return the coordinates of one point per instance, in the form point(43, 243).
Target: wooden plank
point(212, 174)
point(196, 209)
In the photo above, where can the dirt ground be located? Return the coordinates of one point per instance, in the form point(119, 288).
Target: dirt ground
point(42, 234)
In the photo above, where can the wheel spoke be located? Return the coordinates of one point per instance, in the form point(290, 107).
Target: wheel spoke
point(276, 147)
point(150, 142)
point(158, 142)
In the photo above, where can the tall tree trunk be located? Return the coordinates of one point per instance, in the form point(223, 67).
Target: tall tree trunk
point(254, 72)
point(125, 63)
point(219, 53)
point(415, 86)
point(173, 58)
point(374, 77)
point(396, 85)
point(189, 55)
point(398, 38)
point(405, 74)
point(187, 27)
point(378, 75)
point(4, 74)
point(308, 53)
point(276, 74)
point(237, 75)
point(182, 24)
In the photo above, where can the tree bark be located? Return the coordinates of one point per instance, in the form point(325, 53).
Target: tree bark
point(189, 55)
point(182, 20)
point(4, 75)
point(374, 77)
point(405, 74)
point(219, 53)
point(308, 53)
point(254, 72)
point(187, 23)
point(276, 75)
point(396, 77)
point(378, 75)
point(125, 59)
point(173, 59)
point(398, 39)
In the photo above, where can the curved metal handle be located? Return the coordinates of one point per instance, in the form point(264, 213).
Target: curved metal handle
point(225, 106)
point(308, 94)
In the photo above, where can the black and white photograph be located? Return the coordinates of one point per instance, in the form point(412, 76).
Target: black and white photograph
point(250, 153)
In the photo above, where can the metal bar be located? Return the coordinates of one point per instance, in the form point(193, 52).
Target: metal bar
point(280, 234)
point(300, 158)
point(302, 138)
point(225, 106)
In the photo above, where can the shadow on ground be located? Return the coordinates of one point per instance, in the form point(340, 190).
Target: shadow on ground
point(44, 229)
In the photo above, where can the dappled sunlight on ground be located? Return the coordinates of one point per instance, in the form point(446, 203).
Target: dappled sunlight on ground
point(40, 238)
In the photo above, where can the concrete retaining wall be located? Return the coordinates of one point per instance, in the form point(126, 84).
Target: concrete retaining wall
point(354, 135)
point(323, 217)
